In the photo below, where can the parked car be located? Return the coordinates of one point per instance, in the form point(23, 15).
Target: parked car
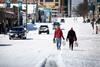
point(17, 32)
point(44, 29)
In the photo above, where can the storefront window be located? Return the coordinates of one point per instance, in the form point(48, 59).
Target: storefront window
point(41, 0)
point(56, 0)
point(56, 4)
point(48, 0)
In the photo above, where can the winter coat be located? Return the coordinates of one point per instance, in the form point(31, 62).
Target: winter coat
point(58, 33)
point(71, 35)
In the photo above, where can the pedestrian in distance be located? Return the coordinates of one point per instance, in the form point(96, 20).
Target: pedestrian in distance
point(71, 36)
point(58, 35)
point(97, 29)
point(92, 23)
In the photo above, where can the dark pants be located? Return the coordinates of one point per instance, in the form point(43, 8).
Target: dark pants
point(71, 44)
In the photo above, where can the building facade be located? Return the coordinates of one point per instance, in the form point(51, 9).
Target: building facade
point(59, 7)
point(97, 7)
point(55, 5)
point(15, 1)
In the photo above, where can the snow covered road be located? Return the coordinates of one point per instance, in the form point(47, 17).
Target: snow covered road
point(39, 50)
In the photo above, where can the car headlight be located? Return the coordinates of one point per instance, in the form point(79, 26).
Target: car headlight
point(11, 34)
point(10, 30)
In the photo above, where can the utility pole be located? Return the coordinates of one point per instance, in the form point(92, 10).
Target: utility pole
point(69, 7)
point(26, 14)
point(20, 18)
point(92, 8)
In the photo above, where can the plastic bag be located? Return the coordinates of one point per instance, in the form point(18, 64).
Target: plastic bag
point(63, 42)
point(76, 44)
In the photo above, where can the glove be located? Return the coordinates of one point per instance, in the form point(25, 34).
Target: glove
point(53, 40)
point(66, 39)
point(63, 38)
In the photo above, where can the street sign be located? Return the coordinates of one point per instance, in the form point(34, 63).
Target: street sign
point(32, 8)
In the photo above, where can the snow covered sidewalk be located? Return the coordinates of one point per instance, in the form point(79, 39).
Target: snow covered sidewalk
point(39, 50)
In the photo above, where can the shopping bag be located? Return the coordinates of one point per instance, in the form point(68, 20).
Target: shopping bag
point(63, 42)
point(76, 44)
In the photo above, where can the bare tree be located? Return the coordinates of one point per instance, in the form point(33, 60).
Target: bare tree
point(82, 9)
point(85, 9)
point(79, 10)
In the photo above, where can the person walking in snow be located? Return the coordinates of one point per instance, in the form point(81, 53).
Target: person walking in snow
point(58, 35)
point(71, 36)
point(92, 23)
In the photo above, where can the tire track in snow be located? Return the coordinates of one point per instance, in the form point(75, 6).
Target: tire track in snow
point(53, 61)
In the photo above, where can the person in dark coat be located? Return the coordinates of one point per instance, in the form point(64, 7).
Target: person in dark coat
point(92, 23)
point(71, 36)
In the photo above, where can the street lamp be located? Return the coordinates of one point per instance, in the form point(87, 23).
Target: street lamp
point(19, 12)
point(69, 7)
point(26, 14)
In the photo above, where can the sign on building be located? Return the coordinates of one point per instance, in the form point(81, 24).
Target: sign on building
point(32, 8)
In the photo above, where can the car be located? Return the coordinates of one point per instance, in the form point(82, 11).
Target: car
point(17, 32)
point(43, 29)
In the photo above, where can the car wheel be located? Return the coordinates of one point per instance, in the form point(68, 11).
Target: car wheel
point(10, 38)
point(21, 37)
point(24, 37)
point(39, 32)
point(48, 32)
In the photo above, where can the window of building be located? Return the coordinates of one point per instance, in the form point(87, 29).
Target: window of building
point(99, 9)
point(41, 3)
point(56, 4)
point(41, 0)
point(13, 1)
point(56, 0)
point(48, 0)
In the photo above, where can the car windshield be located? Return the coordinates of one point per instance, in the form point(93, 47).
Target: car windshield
point(17, 29)
point(44, 26)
